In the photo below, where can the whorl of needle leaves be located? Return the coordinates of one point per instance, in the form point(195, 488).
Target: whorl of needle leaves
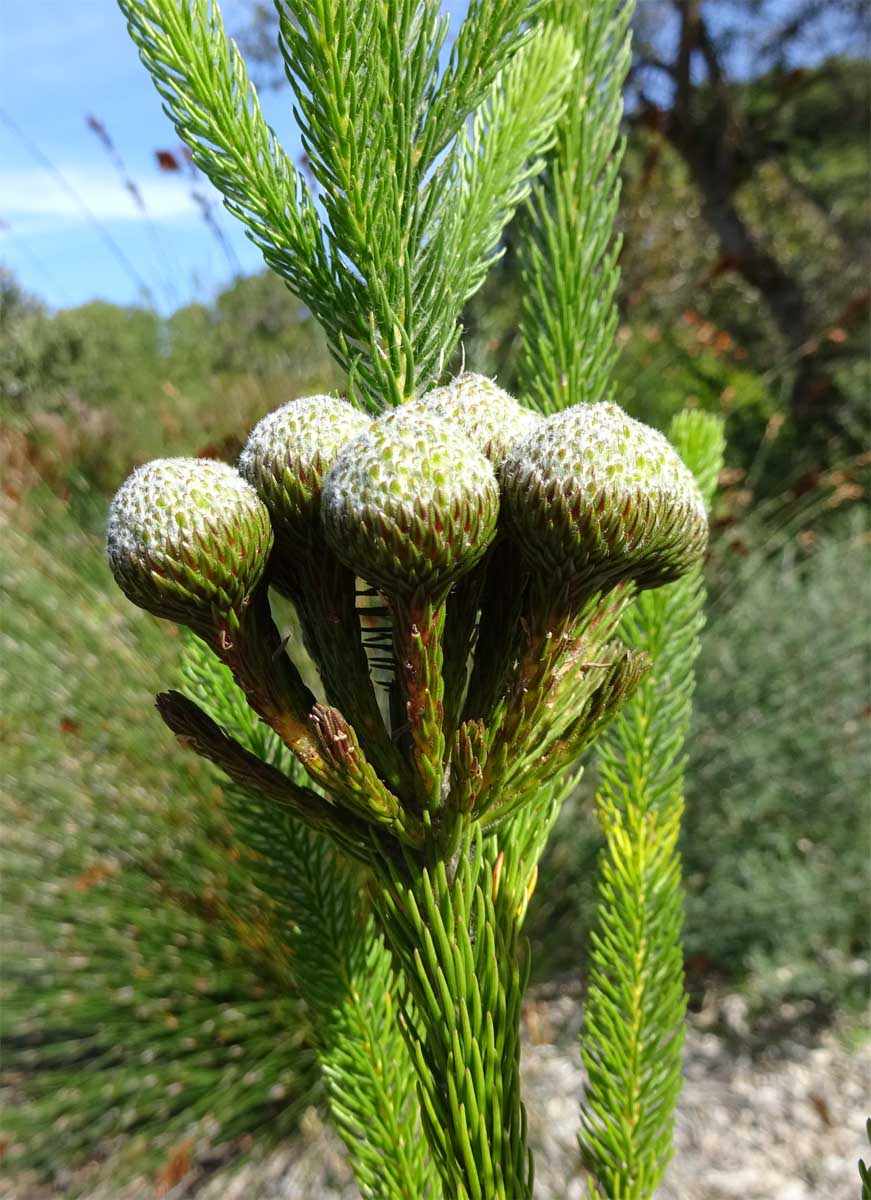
point(595, 497)
point(288, 454)
point(410, 504)
point(188, 539)
point(489, 417)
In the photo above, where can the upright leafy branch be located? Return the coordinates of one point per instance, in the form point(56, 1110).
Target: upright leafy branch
point(569, 252)
point(484, 178)
point(632, 1033)
point(410, 240)
point(491, 32)
point(361, 73)
point(405, 240)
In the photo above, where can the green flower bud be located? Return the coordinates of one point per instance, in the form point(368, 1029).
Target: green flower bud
point(288, 454)
point(188, 539)
point(490, 418)
point(410, 504)
point(594, 497)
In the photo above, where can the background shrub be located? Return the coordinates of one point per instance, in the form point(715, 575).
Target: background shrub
point(775, 836)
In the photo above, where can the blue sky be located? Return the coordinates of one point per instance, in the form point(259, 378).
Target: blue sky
point(59, 63)
point(58, 67)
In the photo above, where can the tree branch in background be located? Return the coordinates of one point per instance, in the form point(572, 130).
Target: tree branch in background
point(708, 125)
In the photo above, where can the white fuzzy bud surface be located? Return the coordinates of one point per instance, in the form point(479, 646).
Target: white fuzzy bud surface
point(185, 535)
point(591, 445)
point(593, 488)
point(289, 452)
point(410, 502)
point(491, 418)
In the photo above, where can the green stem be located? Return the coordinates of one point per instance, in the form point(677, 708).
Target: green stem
point(319, 736)
point(418, 625)
point(325, 596)
point(250, 645)
point(345, 975)
point(454, 934)
point(463, 604)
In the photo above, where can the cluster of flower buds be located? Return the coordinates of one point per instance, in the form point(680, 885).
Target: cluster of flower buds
point(503, 548)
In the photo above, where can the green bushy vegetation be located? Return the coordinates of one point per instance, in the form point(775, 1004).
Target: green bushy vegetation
point(87, 394)
point(776, 840)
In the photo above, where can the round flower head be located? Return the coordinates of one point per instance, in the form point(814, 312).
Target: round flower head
point(289, 452)
point(410, 503)
point(188, 539)
point(489, 417)
point(595, 497)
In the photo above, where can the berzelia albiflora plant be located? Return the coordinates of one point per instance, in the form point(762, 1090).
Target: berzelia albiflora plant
point(459, 564)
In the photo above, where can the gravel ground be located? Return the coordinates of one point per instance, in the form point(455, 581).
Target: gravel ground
point(783, 1123)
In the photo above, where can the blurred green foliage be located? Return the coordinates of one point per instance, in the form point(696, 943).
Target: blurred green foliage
point(775, 840)
point(87, 394)
point(145, 1003)
point(694, 331)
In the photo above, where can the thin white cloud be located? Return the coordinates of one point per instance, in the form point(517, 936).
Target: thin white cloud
point(32, 200)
